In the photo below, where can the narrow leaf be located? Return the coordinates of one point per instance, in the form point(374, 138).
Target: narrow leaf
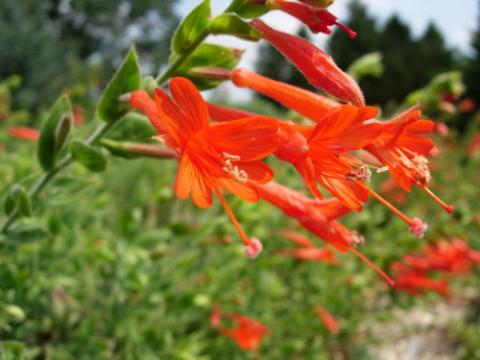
point(248, 9)
point(191, 28)
point(18, 198)
point(126, 79)
point(25, 233)
point(231, 24)
point(54, 132)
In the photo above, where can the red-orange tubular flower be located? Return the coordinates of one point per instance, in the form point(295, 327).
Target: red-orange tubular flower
point(212, 158)
point(318, 20)
point(417, 283)
point(307, 103)
point(328, 320)
point(454, 257)
point(321, 154)
point(306, 250)
point(318, 217)
point(318, 67)
point(328, 161)
point(403, 147)
point(24, 133)
point(248, 333)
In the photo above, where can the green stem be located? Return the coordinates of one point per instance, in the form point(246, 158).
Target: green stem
point(45, 179)
point(137, 149)
point(180, 59)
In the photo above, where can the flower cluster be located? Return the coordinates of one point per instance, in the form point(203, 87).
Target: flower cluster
point(221, 149)
point(448, 258)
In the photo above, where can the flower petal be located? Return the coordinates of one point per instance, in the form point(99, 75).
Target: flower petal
point(252, 138)
point(190, 101)
point(244, 191)
point(140, 100)
point(191, 180)
point(257, 171)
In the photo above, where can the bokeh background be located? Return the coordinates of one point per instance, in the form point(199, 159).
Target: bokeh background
point(117, 268)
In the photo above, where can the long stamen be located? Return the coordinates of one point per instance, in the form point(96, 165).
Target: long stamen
point(369, 263)
point(416, 226)
point(387, 204)
point(253, 246)
point(448, 208)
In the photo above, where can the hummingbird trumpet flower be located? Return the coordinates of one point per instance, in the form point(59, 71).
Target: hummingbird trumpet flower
point(318, 68)
point(212, 157)
point(403, 147)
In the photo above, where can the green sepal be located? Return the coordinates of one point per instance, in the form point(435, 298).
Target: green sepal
point(133, 127)
point(127, 79)
point(191, 28)
point(231, 24)
point(55, 132)
point(209, 55)
point(90, 157)
point(25, 233)
point(149, 84)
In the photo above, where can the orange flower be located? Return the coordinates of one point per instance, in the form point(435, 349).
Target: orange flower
point(328, 320)
point(454, 257)
point(248, 333)
point(212, 158)
point(318, 217)
point(318, 67)
point(306, 250)
point(329, 163)
point(417, 283)
point(24, 133)
point(322, 154)
point(318, 20)
point(403, 147)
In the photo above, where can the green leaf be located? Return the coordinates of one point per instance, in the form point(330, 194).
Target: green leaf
point(25, 233)
point(231, 24)
point(248, 9)
point(12, 350)
point(367, 65)
point(54, 132)
point(127, 79)
point(18, 198)
point(209, 55)
point(88, 156)
point(191, 28)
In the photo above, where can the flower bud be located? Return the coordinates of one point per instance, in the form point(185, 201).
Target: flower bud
point(318, 67)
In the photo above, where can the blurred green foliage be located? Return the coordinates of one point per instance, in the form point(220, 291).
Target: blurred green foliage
point(114, 267)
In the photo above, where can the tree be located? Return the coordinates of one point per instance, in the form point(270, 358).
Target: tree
point(49, 42)
point(408, 63)
point(472, 68)
point(345, 50)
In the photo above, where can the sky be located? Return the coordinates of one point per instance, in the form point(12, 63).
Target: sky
point(456, 19)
